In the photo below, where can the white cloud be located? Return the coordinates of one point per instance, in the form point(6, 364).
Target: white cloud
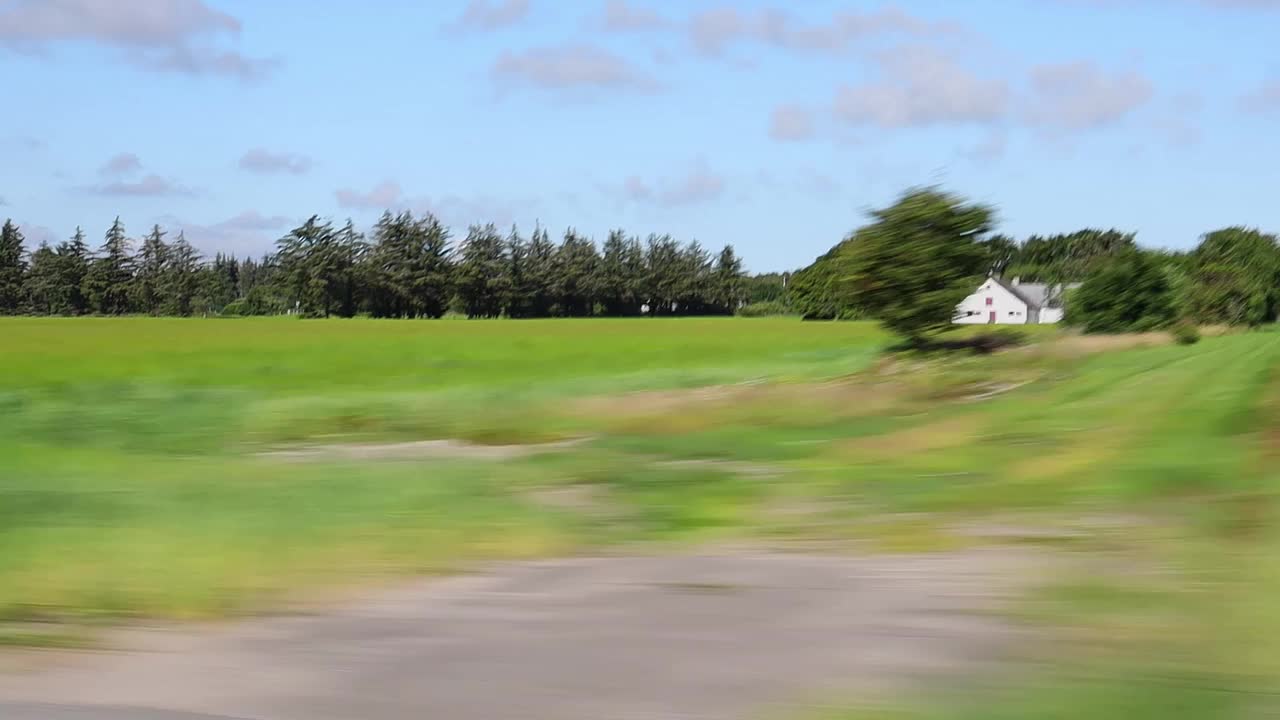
point(263, 161)
point(700, 185)
point(570, 67)
point(493, 14)
point(148, 186)
point(791, 123)
point(621, 16)
point(1264, 99)
point(714, 30)
point(921, 87)
point(246, 234)
point(170, 35)
point(122, 164)
point(385, 195)
point(1080, 96)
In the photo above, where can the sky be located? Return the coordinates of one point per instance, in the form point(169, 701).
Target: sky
point(768, 125)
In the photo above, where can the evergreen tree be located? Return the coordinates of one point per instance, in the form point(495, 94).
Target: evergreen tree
point(540, 272)
point(109, 281)
point(615, 287)
point(153, 257)
point(408, 270)
point(694, 291)
point(482, 279)
point(346, 256)
point(574, 284)
point(73, 268)
point(662, 275)
point(521, 288)
point(729, 291)
point(13, 268)
point(44, 288)
point(633, 273)
point(180, 279)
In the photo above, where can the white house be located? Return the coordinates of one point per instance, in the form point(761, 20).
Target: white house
point(1011, 302)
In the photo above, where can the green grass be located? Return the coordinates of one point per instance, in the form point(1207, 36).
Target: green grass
point(132, 481)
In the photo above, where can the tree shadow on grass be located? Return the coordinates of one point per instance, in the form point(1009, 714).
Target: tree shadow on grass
point(981, 344)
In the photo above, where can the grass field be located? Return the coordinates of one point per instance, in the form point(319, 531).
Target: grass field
point(133, 479)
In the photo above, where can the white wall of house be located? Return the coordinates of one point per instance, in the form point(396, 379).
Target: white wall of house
point(992, 297)
point(1051, 315)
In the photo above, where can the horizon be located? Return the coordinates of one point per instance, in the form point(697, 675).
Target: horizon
point(208, 117)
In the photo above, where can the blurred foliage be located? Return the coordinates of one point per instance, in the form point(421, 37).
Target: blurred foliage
point(1130, 293)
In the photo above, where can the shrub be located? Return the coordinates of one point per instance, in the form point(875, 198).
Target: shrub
point(1128, 294)
point(1186, 332)
point(769, 308)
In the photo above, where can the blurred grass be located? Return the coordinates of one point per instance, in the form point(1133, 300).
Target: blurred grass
point(131, 484)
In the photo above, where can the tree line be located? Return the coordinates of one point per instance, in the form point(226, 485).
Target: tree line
point(407, 266)
point(918, 258)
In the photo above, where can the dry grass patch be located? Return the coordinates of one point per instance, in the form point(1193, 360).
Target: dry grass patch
point(939, 435)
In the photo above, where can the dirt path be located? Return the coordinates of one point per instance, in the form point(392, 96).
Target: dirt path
point(728, 634)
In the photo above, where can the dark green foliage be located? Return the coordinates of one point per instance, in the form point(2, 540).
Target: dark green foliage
point(917, 261)
point(766, 308)
point(693, 281)
point(73, 268)
point(153, 258)
point(13, 268)
point(728, 288)
point(318, 266)
point(1235, 278)
point(1128, 294)
point(482, 276)
point(576, 266)
point(616, 283)
point(540, 273)
point(43, 286)
point(662, 275)
point(1002, 251)
point(813, 291)
point(766, 287)
point(108, 284)
point(1068, 258)
point(408, 271)
point(180, 280)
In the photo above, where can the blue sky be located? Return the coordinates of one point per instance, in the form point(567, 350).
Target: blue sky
point(769, 125)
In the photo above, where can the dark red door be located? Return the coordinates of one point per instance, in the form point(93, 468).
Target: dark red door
point(992, 321)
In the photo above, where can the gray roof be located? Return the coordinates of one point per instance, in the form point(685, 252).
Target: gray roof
point(1036, 295)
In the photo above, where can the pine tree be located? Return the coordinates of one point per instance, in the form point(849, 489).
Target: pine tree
point(633, 270)
point(407, 271)
point(481, 274)
point(613, 284)
point(318, 267)
point(44, 289)
point(108, 283)
point(662, 275)
point(13, 268)
point(729, 285)
point(540, 271)
point(694, 284)
point(152, 260)
point(179, 282)
point(73, 268)
point(576, 267)
point(520, 300)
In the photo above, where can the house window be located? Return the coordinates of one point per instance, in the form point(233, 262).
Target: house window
point(991, 301)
